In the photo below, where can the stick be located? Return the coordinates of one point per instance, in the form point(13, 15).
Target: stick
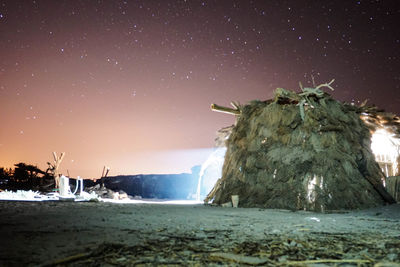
point(104, 169)
point(241, 259)
point(56, 165)
point(327, 261)
point(215, 107)
point(69, 259)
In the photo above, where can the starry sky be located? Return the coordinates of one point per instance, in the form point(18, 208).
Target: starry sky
point(128, 84)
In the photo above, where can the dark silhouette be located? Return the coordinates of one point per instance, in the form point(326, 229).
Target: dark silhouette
point(160, 186)
point(24, 177)
point(5, 176)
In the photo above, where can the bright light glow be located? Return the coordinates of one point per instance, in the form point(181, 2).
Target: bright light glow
point(386, 150)
point(154, 201)
point(162, 162)
point(311, 185)
point(211, 171)
point(383, 143)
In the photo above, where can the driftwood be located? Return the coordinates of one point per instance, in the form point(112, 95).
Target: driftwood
point(233, 111)
point(104, 175)
point(105, 171)
point(240, 259)
point(54, 168)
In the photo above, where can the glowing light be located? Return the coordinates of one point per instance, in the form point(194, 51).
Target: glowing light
point(154, 201)
point(311, 185)
point(386, 149)
point(210, 172)
point(383, 143)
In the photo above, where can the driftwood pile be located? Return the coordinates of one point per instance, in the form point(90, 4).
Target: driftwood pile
point(300, 151)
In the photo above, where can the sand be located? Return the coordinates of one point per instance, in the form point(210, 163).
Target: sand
point(103, 234)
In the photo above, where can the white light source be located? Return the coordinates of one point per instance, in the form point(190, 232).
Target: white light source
point(385, 147)
point(383, 143)
point(316, 181)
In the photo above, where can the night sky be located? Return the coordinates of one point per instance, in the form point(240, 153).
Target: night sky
point(128, 84)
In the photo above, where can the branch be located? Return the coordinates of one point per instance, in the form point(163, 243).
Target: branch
point(328, 85)
point(222, 109)
point(62, 156)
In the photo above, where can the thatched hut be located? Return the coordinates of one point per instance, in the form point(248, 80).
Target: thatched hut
point(300, 151)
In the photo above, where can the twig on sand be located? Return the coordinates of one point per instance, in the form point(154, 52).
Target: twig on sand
point(68, 259)
point(230, 257)
point(302, 263)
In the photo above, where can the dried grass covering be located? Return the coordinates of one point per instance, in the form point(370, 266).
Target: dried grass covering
point(393, 187)
point(277, 159)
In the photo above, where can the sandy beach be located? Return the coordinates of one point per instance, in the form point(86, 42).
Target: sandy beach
point(105, 234)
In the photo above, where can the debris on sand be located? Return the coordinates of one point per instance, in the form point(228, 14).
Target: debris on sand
point(29, 195)
point(104, 192)
point(274, 250)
